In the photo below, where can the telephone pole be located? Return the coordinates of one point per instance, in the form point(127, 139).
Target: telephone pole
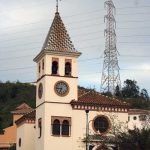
point(110, 74)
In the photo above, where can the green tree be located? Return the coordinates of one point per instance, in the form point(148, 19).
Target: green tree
point(1, 129)
point(11, 96)
point(130, 89)
point(144, 94)
point(118, 92)
point(135, 140)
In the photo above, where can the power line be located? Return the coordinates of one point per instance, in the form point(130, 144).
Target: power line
point(133, 7)
point(96, 32)
point(37, 42)
point(13, 39)
point(83, 60)
point(11, 69)
point(144, 13)
point(41, 21)
point(87, 26)
point(31, 67)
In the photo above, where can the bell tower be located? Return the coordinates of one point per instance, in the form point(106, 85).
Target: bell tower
point(56, 86)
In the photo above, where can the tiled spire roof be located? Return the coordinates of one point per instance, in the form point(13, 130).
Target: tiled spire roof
point(58, 39)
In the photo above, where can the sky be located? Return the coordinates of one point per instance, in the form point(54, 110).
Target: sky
point(24, 25)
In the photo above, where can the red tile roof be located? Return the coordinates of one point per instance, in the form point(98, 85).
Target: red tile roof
point(22, 109)
point(95, 98)
point(29, 118)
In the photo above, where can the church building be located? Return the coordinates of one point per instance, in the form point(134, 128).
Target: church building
point(66, 117)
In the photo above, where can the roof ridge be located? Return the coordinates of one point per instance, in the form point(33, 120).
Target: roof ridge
point(84, 94)
point(23, 106)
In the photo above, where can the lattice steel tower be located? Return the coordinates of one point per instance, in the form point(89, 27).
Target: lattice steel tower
point(110, 74)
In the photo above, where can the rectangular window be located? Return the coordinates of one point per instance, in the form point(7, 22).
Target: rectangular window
point(43, 64)
point(68, 67)
point(55, 65)
point(142, 117)
point(40, 127)
point(39, 67)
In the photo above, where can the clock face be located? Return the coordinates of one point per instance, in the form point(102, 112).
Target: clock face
point(61, 88)
point(40, 90)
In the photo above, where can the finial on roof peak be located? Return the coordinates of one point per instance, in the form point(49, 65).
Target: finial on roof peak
point(57, 5)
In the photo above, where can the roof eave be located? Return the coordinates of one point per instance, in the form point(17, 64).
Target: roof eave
point(57, 53)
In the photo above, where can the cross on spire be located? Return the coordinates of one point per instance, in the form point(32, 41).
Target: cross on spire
point(57, 4)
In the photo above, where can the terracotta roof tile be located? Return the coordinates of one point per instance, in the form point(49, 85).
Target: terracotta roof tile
point(29, 117)
point(58, 39)
point(22, 109)
point(23, 106)
point(95, 98)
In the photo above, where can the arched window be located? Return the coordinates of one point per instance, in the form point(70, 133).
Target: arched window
point(65, 127)
point(19, 142)
point(56, 127)
point(54, 67)
point(68, 68)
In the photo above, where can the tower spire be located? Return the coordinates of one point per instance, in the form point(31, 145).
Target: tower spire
point(110, 74)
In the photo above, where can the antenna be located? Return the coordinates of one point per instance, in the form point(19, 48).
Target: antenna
point(110, 74)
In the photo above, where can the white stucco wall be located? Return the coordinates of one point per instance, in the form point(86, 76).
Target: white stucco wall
point(137, 123)
point(27, 134)
point(53, 105)
point(78, 126)
point(61, 65)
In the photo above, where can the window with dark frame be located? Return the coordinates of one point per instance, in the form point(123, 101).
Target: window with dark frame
point(134, 118)
point(54, 67)
point(39, 67)
point(68, 69)
point(142, 117)
point(43, 64)
point(56, 127)
point(19, 142)
point(61, 126)
point(65, 128)
point(101, 124)
point(40, 127)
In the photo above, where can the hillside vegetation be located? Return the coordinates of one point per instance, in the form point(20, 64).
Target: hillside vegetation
point(14, 94)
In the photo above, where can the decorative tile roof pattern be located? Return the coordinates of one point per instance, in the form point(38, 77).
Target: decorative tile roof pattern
point(22, 109)
point(27, 118)
point(95, 98)
point(138, 111)
point(58, 39)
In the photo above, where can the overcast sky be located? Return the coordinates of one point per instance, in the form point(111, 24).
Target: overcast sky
point(25, 23)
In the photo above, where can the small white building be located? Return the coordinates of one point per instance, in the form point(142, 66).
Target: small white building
point(138, 118)
point(65, 115)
